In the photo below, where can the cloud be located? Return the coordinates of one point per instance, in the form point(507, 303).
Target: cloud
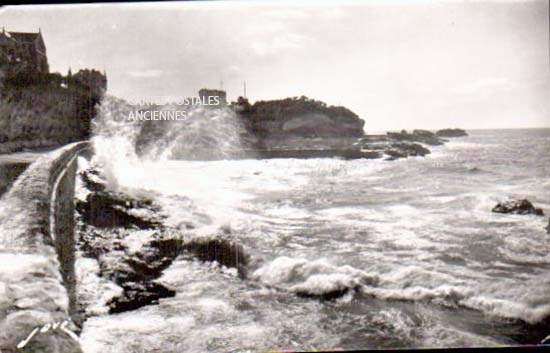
point(278, 43)
point(146, 73)
point(233, 70)
point(269, 36)
point(483, 84)
point(288, 13)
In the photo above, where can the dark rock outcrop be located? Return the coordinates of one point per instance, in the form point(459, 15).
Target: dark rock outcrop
point(332, 295)
point(404, 150)
point(391, 148)
point(451, 133)
point(135, 272)
point(137, 295)
point(422, 136)
point(107, 221)
point(92, 180)
point(108, 209)
point(224, 251)
point(521, 207)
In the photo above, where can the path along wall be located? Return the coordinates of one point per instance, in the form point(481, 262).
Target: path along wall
point(37, 253)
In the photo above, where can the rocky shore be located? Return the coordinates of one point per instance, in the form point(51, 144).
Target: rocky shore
point(306, 128)
point(124, 246)
point(126, 237)
point(390, 146)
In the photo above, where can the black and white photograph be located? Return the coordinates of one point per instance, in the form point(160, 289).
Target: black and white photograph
point(274, 176)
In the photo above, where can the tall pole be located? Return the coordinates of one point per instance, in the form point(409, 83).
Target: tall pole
point(244, 87)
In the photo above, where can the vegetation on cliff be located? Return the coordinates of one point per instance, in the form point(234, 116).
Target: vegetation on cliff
point(298, 116)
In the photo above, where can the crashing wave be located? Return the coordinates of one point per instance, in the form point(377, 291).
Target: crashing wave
point(316, 278)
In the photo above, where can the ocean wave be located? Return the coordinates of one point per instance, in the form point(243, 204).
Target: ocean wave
point(440, 335)
point(320, 278)
point(316, 278)
point(468, 145)
point(451, 294)
point(510, 309)
point(470, 298)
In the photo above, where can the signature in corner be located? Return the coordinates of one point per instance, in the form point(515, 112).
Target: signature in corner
point(61, 325)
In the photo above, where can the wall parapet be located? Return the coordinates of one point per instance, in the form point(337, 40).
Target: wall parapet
point(37, 249)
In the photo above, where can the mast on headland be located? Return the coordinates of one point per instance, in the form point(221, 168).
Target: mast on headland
point(221, 85)
point(244, 89)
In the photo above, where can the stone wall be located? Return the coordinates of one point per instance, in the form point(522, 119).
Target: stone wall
point(37, 256)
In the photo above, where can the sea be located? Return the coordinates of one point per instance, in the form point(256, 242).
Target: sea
point(413, 241)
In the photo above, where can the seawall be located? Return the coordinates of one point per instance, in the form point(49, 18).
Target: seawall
point(13, 164)
point(37, 244)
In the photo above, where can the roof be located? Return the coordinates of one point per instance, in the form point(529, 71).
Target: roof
point(24, 36)
point(5, 38)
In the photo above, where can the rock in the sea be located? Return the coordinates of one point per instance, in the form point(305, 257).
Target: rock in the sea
point(451, 133)
point(422, 136)
point(411, 149)
point(92, 180)
point(104, 209)
point(224, 251)
point(331, 295)
point(132, 247)
point(521, 207)
point(394, 154)
point(140, 294)
point(134, 268)
point(548, 227)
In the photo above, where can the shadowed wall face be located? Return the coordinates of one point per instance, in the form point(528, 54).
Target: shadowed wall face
point(8, 173)
point(63, 211)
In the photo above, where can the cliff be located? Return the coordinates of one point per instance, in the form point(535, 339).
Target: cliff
point(297, 117)
point(44, 111)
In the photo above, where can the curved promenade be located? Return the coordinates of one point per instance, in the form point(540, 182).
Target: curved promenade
point(37, 254)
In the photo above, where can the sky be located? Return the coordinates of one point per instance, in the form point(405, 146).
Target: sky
point(397, 64)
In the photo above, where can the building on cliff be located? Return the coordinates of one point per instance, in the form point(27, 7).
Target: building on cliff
point(213, 96)
point(23, 52)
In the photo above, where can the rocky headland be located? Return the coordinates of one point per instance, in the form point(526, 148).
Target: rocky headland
point(298, 117)
point(297, 127)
